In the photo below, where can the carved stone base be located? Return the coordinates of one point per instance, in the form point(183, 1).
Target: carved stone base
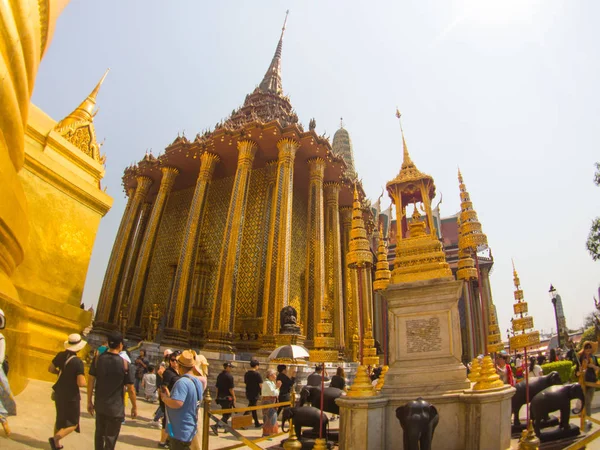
point(425, 341)
point(289, 339)
point(134, 333)
point(219, 341)
point(176, 338)
point(103, 327)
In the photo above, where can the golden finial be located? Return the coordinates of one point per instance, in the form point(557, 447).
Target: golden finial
point(284, 22)
point(460, 178)
point(474, 239)
point(341, 122)
point(85, 111)
point(406, 162)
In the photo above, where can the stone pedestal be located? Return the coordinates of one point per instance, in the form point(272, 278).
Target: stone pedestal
point(362, 423)
point(425, 343)
point(488, 418)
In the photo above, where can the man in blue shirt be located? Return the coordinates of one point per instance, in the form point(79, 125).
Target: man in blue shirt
point(182, 404)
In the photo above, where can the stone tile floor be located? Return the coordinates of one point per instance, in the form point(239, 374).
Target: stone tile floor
point(34, 424)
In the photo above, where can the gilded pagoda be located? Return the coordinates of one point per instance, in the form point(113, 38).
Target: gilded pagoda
point(222, 231)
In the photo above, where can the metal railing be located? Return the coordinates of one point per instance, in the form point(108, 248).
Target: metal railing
point(208, 414)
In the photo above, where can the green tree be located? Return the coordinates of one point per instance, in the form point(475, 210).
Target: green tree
point(593, 240)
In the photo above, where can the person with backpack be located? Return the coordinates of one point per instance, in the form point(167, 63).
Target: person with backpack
point(8, 407)
point(182, 403)
point(109, 375)
point(66, 395)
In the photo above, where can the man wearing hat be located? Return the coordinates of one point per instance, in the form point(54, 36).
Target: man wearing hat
point(182, 403)
point(67, 399)
point(225, 392)
point(108, 376)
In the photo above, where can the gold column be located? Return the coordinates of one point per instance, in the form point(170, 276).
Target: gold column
point(108, 295)
point(333, 261)
point(102, 305)
point(223, 312)
point(176, 331)
point(350, 309)
point(140, 275)
point(271, 178)
point(132, 256)
point(315, 260)
point(279, 249)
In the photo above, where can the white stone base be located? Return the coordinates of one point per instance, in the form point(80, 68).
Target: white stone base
point(468, 420)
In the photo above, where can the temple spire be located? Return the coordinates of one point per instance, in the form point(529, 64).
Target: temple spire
point(85, 111)
point(407, 162)
point(272, 79)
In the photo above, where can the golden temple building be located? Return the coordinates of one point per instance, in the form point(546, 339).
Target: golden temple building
point(223, 230)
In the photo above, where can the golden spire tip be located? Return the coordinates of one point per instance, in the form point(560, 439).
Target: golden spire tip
point(284, 22)
point(97, 88)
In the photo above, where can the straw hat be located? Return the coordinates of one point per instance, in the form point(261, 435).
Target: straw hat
point(594, 345)
point(74, 343)
point(187, 359)
point(2, 320)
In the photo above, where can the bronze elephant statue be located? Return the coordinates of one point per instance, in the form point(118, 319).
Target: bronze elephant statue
point(418, 419)
point(536, 384)
point(312, 395)
point(304, 416)
point(555, 398)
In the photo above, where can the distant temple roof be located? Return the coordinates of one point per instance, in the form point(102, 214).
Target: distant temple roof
point(342, 146)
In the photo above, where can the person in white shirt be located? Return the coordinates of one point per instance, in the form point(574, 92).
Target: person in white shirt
point(149, 385)
point(534, 369)
point(270, 393)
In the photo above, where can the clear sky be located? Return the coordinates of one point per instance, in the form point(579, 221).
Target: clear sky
point(507, 90)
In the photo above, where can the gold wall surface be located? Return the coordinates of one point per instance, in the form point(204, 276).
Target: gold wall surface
point(299, 243)
point(166, 250)
point(247, 289)
point(61, 185)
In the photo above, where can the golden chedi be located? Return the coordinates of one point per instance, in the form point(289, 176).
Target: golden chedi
point(488, 378)
point(382, 267)
point(475, 372)
point(495, 343)
point(419, 255)
point(473, 238)
point(36, 163)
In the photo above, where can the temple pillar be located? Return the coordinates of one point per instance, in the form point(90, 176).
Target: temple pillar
point(333, 261)
point(223, 312)
point(176, 332)
point(107, 310)
point(140, 274)
point(315, 255)
point(126, 279)
point(469, 322)
point(279, 247)
point(348, 281)
point(271, 178)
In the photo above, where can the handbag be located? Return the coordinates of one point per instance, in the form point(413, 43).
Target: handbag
point(53, 394)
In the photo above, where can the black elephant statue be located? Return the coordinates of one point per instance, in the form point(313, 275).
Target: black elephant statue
point(418, 419)
point(555, 398)
point(304, 416)
point(537, 384)
point(312, 395)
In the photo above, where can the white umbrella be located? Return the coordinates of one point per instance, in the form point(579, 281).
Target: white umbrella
point(289, 352)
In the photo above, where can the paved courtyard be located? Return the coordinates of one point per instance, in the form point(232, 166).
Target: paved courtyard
point(34, 424)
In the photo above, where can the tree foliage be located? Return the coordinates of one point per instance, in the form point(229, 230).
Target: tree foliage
point(589, 320)
point(593, 240)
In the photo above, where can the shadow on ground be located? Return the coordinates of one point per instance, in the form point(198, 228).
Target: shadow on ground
point(137, 441)
point(29, 441)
